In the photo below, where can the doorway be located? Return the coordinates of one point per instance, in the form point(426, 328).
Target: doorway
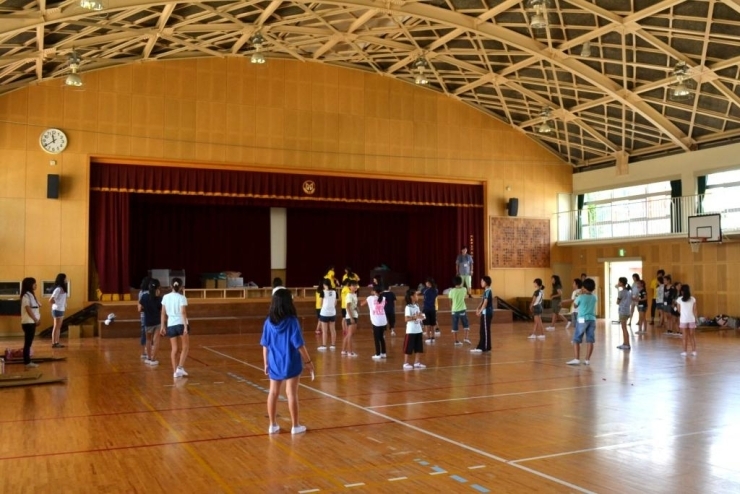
point(613, 270)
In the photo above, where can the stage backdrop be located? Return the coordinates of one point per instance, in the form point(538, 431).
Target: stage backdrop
point(206, 220)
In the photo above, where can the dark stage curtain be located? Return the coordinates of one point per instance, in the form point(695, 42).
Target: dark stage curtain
point(420, 242)
point(168, 232)
point(109, 225)
point(362, 240)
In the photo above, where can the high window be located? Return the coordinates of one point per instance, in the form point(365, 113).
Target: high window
point(723, 196)
point(628, 211)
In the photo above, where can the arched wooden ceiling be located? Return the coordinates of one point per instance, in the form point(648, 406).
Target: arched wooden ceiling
point(610, 107)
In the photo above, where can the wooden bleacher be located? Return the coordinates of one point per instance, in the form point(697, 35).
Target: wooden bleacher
point(246, 314)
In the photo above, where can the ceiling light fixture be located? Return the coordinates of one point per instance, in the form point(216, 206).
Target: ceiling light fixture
point(681, 89)
point(91, 4)
point(545, 127)
point(539, 18)
point(74, 79)
point(258, 41)
point(421, 65)
point(586, 49)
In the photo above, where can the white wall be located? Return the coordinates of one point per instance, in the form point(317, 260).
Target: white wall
point(686, 166)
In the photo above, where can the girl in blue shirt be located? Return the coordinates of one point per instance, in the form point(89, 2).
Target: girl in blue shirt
point(284, 353)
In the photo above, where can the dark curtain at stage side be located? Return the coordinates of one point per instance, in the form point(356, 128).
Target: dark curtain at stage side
point(169, 233)
point(470, 234)
point(420, 242)
point(109, 230)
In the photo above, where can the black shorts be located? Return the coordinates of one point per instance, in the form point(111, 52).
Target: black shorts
point(391, 316)
point(414, 343)
point(327, 318)
point(318, 313)
point(344, 313)
point(430, 317)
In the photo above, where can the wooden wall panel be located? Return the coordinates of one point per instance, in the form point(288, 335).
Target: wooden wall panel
point(519, 243)
point(284, 114)
point(711, 273)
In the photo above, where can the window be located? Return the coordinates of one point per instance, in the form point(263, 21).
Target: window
point(637, 210)
point(723, 196)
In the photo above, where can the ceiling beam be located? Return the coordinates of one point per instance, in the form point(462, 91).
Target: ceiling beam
point(161, 24)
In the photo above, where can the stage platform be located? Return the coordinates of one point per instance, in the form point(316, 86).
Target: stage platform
point(247, 315)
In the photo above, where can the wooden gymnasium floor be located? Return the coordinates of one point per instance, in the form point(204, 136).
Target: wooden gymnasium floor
point(518, 420)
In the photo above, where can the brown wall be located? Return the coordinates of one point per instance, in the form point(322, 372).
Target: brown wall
point(284, 115)
point(712, 273)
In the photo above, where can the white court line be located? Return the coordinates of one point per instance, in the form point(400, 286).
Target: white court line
point(481, 397)
point(426, 432)
point(401, 371)
point(358, 484)
point(307, 491)
point(396, 479)
point(476, 467)
point(614, 446)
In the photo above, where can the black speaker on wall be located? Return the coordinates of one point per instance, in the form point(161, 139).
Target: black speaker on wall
point(513, 206)
point(52, 186)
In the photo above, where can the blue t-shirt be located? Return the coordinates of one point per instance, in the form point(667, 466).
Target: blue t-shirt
point(390, 301)
point(586, 304)
point(488, 295)
point(430, 295)
point(282, 341)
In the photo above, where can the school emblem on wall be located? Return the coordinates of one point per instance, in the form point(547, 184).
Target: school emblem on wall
point(309, 187)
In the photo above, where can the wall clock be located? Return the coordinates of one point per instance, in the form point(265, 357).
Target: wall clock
point(53, 141)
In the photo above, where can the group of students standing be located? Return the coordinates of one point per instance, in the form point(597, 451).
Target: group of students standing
point(382, 311)
point(31, 314)
point(673, 302)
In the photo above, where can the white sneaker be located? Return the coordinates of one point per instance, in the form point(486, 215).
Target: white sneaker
point(540, 337)
point(382, 355)
point(33, 365)
point(344, 353)
point(147, 361)
point(575, 361)
point(332, 348)
point(587, 362)
point(184, 372)
point(393, 333)
point(693, 353)
point(428, 340)
point(321, 348)
point(353, 354)
point(154, 363)
point(178, 373)
point(419, 365)
point(458, 343)
point(467, 341)
point(476, 350)
point(437, 331)
point(298, 429)
point(532, 336)
point(550, 328)
point(274, 429)
point(407, 366)
point(376, 357)
point(683, 354)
